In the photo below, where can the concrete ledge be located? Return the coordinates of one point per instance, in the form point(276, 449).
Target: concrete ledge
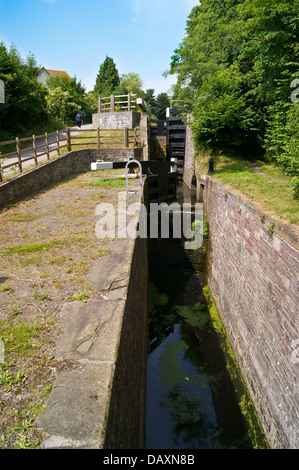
point(98, 400)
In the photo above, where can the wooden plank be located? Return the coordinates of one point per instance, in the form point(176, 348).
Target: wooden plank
point(7, 142)
point(126, 137)
point(34, 148)
point(57, 143)
point(27, 159)
point(76, 137)
point(19, 154)
point(5, 155)
point(47, 146)
point(10, 165)
point(25, 139)
point(68, 139)
point(41, 154)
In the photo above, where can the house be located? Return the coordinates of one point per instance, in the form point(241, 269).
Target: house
point(45, 74)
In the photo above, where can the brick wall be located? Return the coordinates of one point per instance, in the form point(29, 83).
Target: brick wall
point(70, 163)
point(253, 277)
point(126, 421)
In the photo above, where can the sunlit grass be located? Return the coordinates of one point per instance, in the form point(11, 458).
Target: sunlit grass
point(263, 183)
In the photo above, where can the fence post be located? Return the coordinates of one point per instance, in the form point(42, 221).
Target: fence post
point(19, 154)
point(135, 136)
point(47, 145)
point(112, 103)
point(100, 105)
point(126, 137)
point(57, 141)
point(98, 136)
point(34, 149)
point(129, 102)
point(68, 138)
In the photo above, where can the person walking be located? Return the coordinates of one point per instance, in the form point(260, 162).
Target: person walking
point(79, 119)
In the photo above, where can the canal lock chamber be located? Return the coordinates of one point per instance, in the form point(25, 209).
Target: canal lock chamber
point(195, 395)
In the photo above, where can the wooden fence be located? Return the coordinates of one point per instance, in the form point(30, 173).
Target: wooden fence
point(50, 145)
point(114, 103)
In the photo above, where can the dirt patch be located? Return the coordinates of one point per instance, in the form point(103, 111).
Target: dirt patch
point(47, 245)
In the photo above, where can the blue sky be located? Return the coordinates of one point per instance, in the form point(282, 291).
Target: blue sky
point(76, 35)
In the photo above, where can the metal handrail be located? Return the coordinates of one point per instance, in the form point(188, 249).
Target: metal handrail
point(127, 181)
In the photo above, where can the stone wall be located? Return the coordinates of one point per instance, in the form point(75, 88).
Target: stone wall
point(158, 147)
point(70, 163)
point(116, 120)
point(129, 119)
point(253, 278)
point(188, 175)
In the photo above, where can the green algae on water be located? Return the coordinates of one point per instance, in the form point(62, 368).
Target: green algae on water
point(195, 315)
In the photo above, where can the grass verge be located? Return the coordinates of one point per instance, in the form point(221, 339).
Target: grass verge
point(262, 182)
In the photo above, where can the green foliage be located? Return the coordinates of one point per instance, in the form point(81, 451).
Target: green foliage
point(282, 140)
point(156, 105)
point(235, 66)
point(107, 79)
point(222, 116)
point(31, 107)
point(150, 100)
point(131, 83)
point(25, 98)
point(162, 102)
point(65, 97)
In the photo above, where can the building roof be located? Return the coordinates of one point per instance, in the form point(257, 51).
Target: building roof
point(58, 72)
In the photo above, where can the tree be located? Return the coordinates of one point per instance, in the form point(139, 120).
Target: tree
point(107, 79)
point(234, 70)
point(65, 97)
point(25, 98)
point(162, 102)
point(150, 100)
point(60, 105)
point(132, 83)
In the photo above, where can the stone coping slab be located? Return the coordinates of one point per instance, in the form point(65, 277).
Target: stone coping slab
point(78, 405)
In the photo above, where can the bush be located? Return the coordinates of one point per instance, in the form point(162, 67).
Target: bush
point(282, 140)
